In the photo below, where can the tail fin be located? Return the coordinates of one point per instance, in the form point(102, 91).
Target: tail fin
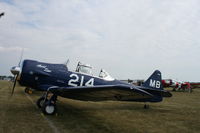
point(154, 81)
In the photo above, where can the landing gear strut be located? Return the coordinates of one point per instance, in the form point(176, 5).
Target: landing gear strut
point(47, 105)
point(146, 106)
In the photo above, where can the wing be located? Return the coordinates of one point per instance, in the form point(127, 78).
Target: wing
point(102, 92)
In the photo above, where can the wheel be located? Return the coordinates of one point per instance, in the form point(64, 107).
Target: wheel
point(40, 102)
point(49, 108)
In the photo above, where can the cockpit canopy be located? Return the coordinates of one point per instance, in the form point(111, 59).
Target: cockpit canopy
point(105, 75)
point(87, 69)
point(84, 68)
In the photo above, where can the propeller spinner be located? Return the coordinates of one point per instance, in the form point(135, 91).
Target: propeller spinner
point(15, 70)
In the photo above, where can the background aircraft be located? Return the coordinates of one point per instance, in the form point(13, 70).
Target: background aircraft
point(178, 85)
point(57, 80)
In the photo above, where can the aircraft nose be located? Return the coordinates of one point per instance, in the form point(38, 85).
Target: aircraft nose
point(15, 70)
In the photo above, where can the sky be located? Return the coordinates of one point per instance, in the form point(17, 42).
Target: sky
point(128, 38)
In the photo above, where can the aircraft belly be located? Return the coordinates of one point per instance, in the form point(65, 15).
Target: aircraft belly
point(103, 95)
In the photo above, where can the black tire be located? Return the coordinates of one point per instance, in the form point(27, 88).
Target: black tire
point(49, 108)
point(40, 102)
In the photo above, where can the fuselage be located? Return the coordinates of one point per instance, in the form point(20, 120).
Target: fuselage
point(34, 74)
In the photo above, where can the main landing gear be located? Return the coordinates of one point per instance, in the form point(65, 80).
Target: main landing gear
point(47, 103)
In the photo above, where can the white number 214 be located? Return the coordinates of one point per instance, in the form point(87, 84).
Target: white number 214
point(74, 81)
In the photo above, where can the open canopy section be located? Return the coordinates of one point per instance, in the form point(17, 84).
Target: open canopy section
point(105, 75)
point(87, 69)
point(84, 68)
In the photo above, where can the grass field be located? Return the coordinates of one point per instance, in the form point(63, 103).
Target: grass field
point(181, 113)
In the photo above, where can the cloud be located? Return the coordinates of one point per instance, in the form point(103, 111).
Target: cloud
point(10, 49)
point(130, 38)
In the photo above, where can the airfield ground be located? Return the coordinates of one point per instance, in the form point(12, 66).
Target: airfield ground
point(181, 113)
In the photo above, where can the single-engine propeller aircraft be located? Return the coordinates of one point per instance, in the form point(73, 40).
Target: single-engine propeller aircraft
point(57, 80)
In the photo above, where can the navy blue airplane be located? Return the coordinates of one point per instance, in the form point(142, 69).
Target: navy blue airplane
point(56, 80)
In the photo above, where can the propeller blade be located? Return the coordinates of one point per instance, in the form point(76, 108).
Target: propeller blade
point(14, 84)
point(16, 71)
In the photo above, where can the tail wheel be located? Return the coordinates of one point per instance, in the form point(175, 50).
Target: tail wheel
point(49, 108)
point(40, 102)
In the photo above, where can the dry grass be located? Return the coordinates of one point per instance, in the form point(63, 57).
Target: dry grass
point(181, 113)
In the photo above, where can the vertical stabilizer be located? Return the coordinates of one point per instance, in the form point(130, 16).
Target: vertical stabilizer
point(154, 81)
